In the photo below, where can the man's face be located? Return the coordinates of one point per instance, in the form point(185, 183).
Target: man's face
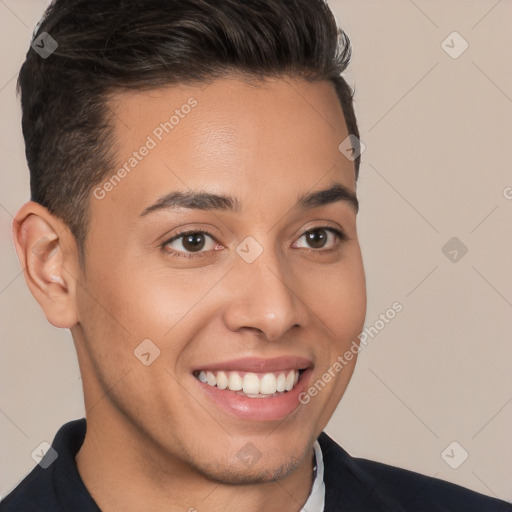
point(268, 290)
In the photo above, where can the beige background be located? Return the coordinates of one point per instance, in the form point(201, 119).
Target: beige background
point(437, 165)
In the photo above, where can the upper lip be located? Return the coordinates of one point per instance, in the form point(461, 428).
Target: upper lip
point(259, 364)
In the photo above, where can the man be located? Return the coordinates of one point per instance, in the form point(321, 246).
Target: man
point(193, 223)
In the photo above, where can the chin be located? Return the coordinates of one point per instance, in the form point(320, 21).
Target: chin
point(259, 474)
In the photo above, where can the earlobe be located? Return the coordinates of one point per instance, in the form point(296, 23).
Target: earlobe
point(45, 249)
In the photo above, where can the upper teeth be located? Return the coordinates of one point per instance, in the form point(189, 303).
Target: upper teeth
point(251, 383)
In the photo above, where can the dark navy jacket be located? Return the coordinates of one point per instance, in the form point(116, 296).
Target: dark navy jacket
point(351, 485)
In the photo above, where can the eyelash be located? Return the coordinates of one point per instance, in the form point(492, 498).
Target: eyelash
point(340, 235)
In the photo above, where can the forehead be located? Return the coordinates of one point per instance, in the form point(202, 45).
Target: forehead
point(229, 135)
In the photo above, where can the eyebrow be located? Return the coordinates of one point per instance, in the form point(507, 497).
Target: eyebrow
point(197, 200)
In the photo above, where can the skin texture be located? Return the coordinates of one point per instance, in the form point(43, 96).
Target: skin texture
point(154, 441)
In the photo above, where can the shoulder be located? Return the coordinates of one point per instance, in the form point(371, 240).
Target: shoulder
point(361, 482)
point(30, 494)
point(54, 484)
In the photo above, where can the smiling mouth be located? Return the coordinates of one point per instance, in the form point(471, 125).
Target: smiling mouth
point(251, 384)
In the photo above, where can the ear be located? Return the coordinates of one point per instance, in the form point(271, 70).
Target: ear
point(48, 255)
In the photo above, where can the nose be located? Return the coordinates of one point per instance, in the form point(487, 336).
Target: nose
point(266, 297)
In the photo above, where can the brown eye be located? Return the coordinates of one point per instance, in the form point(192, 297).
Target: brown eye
point(319, 238)
point(316, 238)
point(190, 244)
point(193, 242)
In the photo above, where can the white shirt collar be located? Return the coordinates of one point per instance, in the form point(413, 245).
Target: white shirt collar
point(316, 500)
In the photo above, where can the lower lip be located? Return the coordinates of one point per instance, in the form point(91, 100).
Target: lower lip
point(262, 409)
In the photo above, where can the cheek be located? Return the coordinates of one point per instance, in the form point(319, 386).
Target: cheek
point(141, 301)
point(338, 298)
point(120, 309)
point(337, 294)
point(126, 316)
point(124, 308)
